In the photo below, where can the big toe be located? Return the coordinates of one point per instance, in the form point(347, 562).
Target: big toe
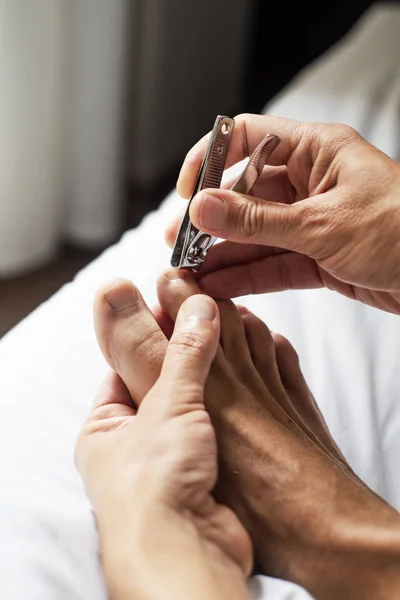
point(129, 336)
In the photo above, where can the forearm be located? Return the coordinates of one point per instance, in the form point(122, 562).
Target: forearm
point(161, 559)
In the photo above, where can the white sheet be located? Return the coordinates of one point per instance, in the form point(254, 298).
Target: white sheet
point(50, 368)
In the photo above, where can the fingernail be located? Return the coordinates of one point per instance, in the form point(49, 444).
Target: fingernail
point(243, 310)
point(201, 307)
point(121, 295)
point(211, 213)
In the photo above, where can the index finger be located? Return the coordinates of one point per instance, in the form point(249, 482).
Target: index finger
point(249, 131)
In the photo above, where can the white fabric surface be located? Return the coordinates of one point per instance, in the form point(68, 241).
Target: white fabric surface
point(31, 111)
point(63, 96)
point(50, 368)
point(100, 39)
point(357, 82)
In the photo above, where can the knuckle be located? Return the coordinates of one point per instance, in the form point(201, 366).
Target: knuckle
point(241, 121)
point(308, 212)
point(314, 216)
point(344, 135)
point(344, 131)
point(322, 225)
point(251, 218)
point(242, 117)
point(335, 136)
point(189, 341)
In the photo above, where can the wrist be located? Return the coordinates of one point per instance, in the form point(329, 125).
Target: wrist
point(153, 552)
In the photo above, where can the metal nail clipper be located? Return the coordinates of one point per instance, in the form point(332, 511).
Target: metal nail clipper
point(192, 245)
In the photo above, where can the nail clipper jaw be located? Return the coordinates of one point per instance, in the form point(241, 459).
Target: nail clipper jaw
point(192, 245)
point(197, 251)
point(190, 250)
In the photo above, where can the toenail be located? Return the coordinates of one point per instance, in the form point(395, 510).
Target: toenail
point(121, 295)
point(172, 274)
point(182, 274)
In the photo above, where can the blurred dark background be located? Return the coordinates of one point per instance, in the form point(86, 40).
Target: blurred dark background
point(281, 39)
point(287, 36)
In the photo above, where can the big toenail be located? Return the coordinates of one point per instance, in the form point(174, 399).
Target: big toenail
point(121, 295)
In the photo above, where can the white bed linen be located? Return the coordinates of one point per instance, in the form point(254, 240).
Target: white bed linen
point(50, 368)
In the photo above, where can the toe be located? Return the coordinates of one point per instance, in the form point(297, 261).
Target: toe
point(173, 288)
point(288, 361)
point(233, 337)
point(301, 397)
point(292, 378)
point(164, 321)
point(260, 343)
point(129, 336)
point(263, 352)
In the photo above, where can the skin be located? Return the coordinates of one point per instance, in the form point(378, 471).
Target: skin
point(149, 466)
point(311, 520)
point(317, 219)
point(325, 213)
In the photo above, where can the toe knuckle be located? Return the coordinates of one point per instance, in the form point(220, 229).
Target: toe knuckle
point(226, 309)
point(283, 344)
point(281, 340)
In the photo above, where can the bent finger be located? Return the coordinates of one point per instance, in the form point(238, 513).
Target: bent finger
point(286, 271)
point(249, 131)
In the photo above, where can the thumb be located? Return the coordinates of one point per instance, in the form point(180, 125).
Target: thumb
point(249, 220)
point(190, 352)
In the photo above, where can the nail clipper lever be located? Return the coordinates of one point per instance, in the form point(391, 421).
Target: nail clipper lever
point(192, 245)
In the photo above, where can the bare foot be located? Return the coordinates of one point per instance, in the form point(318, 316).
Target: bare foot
point(311, 519)
point(252, 356)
